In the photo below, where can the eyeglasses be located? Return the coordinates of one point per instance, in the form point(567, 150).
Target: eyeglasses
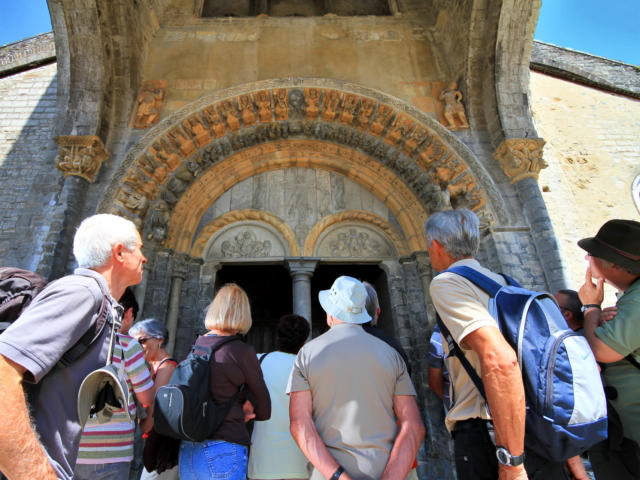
point(144, 340)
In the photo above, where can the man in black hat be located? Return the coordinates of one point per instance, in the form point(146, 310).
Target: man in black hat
point(614, 257)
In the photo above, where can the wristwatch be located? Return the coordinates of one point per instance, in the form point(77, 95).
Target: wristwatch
point(590, 305)
point(505, 457)
point(337, 473)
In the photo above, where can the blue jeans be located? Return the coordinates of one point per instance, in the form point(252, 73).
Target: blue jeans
point(213, 459)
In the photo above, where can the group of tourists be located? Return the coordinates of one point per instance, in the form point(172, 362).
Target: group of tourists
point(341, 406)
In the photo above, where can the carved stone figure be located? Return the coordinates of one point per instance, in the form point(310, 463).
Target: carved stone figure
point(215, 121)
point(521, 157)
point(296, 103)
point(349, 103)
point(165, 153)
point(247, 111)
point(415, 140)
point(135, 202)
point(355, 244)
point(159, 222)
point(312, 102)
point(230, 114)
point(381, 120)
point(194, 125)
point(149, 103)
point(138, 182)
point(367, 106)
point(331, 105)
point(245, 245)
point(453, 107)
point(399, 129)
point(281, 104)
point(80, 155)
point(263, 100)
point(152, 168)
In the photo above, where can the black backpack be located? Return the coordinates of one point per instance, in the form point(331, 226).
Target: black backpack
point(17, 288)
point(184, 409)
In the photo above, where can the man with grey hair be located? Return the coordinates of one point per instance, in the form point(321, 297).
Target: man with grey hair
point(343, 417)
point(39, 351)
point(453, 238)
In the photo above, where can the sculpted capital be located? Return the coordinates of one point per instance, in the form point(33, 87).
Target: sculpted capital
point(80, 155)
point(521, 157)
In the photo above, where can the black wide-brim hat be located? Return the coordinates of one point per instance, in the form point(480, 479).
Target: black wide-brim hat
point(617, 241)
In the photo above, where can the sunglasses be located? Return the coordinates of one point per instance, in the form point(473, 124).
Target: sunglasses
point(144, 340)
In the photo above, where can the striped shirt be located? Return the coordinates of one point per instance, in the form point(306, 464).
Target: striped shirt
point(112, 442)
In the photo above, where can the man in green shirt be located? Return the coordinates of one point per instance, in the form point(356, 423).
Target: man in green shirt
point(614, 257)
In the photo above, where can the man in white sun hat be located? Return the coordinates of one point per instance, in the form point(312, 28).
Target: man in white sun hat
point(346, 390)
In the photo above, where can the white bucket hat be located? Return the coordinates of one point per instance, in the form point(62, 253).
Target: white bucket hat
point(92, 385)
point(346, 300)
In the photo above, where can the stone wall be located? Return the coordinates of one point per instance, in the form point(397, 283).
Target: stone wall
point(593, 152)
point(30, 182)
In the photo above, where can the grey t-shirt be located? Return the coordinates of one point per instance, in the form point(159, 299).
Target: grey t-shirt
point(353, 377)
point(53, 323)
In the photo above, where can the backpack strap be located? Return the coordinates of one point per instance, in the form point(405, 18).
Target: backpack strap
point(455, 349)
point(262, 358)
point(91, 335)
point(480, 280)
point(632, 361)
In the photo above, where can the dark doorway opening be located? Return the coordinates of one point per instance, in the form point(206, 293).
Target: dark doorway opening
point(269, 288)
point(324, 277)
point(270, 296)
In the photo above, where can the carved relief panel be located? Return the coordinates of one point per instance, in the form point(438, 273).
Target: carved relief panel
point(353, 240)
point(246, 240)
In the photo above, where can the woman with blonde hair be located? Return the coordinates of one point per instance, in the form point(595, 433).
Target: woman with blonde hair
point(233, 366)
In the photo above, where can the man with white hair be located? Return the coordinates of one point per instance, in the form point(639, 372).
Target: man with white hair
point(39, 351)
point(453, 237)
point(346, 390)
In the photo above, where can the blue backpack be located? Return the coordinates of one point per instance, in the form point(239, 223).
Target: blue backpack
point(566, 405)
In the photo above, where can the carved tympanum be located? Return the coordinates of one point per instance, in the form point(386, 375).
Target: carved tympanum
point(245, 245)
point(80, 155)
point(521, 157)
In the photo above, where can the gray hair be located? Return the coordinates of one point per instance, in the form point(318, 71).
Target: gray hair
point(97, 235)
point(149, 328)
point(372, 304)
point(458, 231)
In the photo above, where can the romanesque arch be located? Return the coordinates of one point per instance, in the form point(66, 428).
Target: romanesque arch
point(410, 162)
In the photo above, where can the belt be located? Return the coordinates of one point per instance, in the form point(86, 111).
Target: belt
point(478, 424)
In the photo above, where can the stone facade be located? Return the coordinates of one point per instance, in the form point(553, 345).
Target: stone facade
point(281, 151)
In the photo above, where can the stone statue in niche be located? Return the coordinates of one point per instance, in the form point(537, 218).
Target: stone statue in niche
point(247, 112)
point(149, 103)
point(215, 121)
point(245, 245)
point(159, 221)
point(312, 102)
point(453, 107)
point(355, 244)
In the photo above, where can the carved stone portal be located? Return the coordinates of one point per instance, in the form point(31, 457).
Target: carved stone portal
point(80, 155)
point(521, 157)
point(149, 103)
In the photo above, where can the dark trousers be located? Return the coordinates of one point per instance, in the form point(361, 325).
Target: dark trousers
point(619, 463)
point(475, 456)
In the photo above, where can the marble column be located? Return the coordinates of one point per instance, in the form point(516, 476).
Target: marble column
point(179, 268)
point(301, 272)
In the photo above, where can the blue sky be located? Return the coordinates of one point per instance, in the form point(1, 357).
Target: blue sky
point(609, 29)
